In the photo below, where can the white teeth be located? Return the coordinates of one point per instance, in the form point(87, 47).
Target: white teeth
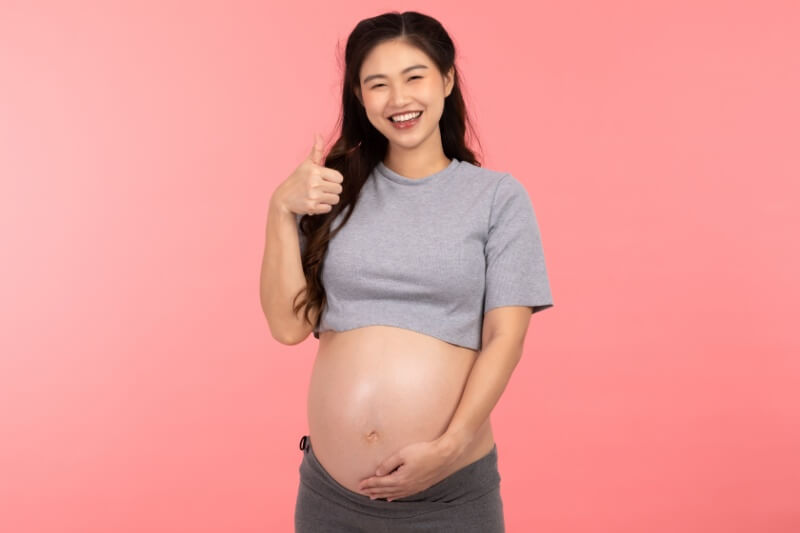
point(407, 116)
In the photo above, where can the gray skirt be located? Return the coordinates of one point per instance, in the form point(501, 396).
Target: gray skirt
point(466, 501)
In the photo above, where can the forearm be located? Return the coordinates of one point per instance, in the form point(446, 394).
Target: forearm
point(487, 381)
point(281, 272)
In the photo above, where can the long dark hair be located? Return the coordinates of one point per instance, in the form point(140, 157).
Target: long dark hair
point(360, 146)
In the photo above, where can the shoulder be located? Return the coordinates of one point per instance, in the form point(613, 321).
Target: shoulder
point(510, 200)
point(480, 181)
point(468, 171)
point(508, 186)
point(496, 178)
point(497, 190)
point(503, 187)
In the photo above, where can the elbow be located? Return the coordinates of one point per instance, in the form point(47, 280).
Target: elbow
point(286, 330)
point(277, 329)
point(288, 340)
point(287, 335)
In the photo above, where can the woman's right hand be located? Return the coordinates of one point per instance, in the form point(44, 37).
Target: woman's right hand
point(312, 188)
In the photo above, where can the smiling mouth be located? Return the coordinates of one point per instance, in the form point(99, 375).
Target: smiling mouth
point(415, 118)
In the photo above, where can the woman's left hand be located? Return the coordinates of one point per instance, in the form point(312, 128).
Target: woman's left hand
point(411, 469)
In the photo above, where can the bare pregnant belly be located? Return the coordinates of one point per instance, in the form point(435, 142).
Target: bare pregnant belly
point(376, 389)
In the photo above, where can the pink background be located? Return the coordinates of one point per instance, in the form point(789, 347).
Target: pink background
point(139, 145)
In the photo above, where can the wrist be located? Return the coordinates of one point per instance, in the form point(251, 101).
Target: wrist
point(276, 203)
point(453, 443)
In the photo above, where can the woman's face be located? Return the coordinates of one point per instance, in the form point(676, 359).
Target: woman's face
point(395, 78)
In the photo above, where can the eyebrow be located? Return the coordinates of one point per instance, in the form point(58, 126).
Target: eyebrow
point(371, 76)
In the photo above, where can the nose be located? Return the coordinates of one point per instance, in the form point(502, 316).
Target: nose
point(399, 98)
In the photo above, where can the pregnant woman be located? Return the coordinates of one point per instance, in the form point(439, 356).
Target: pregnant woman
point(418, 271)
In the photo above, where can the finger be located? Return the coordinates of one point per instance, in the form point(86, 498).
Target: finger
point(327, 201)
point(385, 494)
point(331, 174)
point(372, 484)
point(321, 208)
point(377, 482)
point(317, 155)
point(389, 465)
point(386, 482)
point(329, 187)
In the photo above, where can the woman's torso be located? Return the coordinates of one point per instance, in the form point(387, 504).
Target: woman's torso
point(376, 389)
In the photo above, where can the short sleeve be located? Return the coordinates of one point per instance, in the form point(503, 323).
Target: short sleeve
point(516, 273)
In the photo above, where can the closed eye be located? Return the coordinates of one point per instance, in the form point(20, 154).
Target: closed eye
point(409, 79)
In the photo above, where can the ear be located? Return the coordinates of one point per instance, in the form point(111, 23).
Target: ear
point(449, 81)
point(357, 92)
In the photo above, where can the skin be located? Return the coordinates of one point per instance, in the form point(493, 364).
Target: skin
point(419, 465)
point(416, 152)
point(433, 454)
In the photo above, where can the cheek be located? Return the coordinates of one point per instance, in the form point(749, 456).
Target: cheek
point(374, 111)
point(377, 120)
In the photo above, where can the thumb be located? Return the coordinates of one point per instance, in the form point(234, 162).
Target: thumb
point(317, 154)
point(388, 465)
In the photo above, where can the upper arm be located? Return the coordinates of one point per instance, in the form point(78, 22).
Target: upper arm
point(507, 321)
point(306, 328)
point(516, 273)
point(517, 282)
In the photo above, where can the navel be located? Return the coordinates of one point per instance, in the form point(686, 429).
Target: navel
point(372, 436)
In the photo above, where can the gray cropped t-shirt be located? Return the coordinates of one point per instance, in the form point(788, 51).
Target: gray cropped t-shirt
point(434, 254)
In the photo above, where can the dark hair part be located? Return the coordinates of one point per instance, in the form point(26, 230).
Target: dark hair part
point(360, 146)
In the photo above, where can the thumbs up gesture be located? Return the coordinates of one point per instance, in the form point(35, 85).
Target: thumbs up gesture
point(312, 188)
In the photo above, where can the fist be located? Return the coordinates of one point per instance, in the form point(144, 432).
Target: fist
point(312, 188)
